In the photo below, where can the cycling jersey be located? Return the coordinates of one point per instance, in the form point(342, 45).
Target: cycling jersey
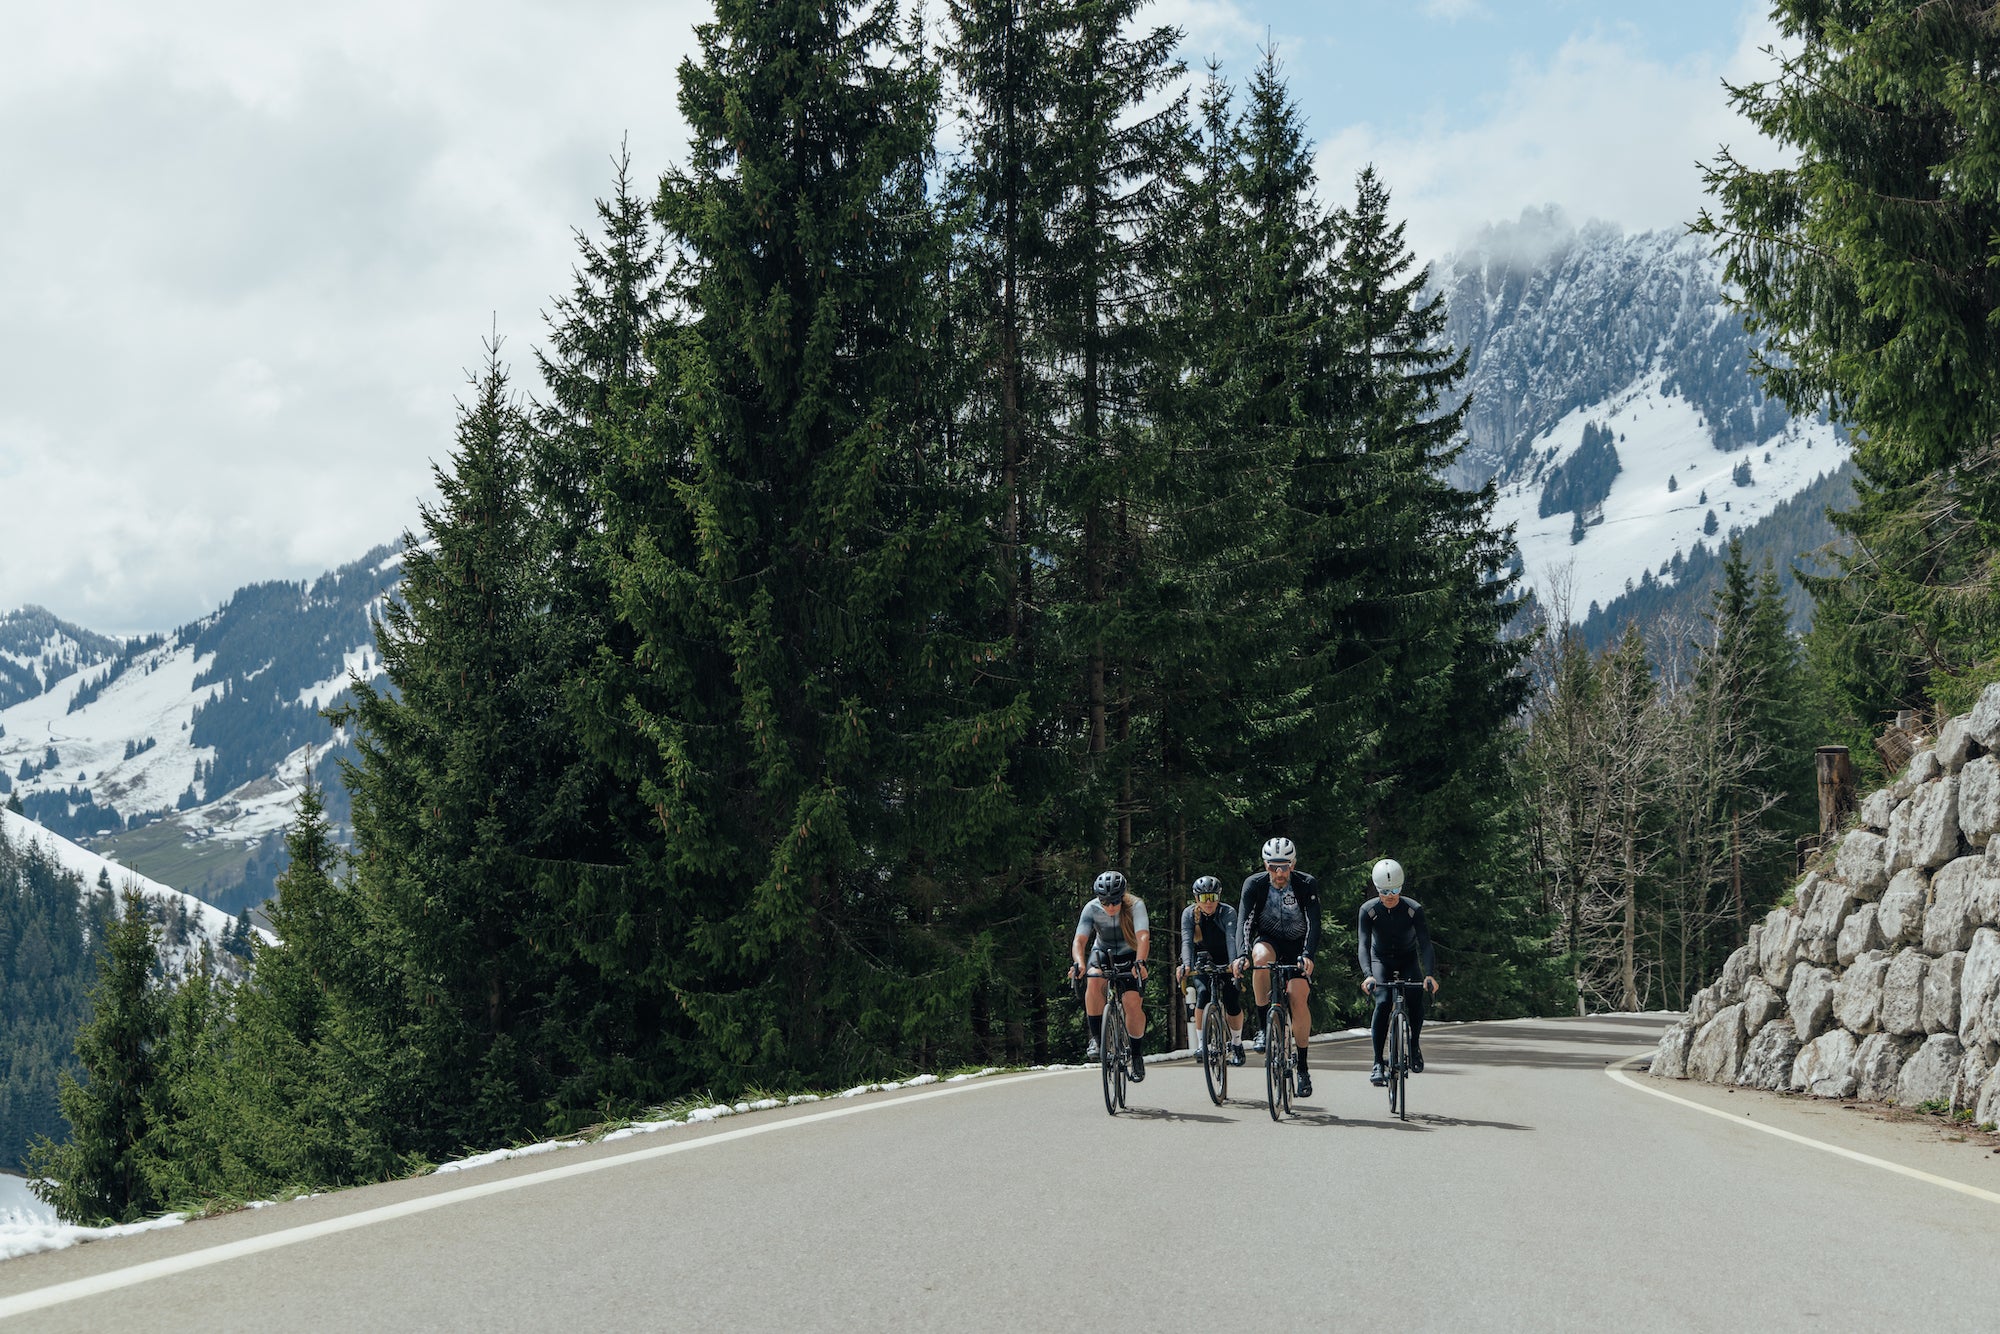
point(1286, 919)
point(1107, 936)
point(1395, 942)
point(1213, 934)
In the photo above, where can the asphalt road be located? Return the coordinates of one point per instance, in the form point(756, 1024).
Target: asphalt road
point(1528, 1191)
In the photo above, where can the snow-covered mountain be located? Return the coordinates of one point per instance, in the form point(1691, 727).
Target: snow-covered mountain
point(183, 753)
point(1612, 403)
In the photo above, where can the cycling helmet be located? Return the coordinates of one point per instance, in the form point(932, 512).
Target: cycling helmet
point(1388, 877)
point(1110, 887)
point(1208, 884)
point(1280, 850)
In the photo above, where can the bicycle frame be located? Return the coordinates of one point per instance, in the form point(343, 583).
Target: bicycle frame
point(1396, 1056)
point(1280, 1060)
point(1215, 1055)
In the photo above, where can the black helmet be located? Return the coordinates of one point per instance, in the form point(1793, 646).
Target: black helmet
point(1208, 884)
point(1111, 887)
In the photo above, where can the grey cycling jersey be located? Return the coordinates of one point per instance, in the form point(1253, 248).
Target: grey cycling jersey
point(1103, 928)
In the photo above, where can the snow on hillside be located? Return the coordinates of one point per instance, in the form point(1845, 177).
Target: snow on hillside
point(1660, 435)
point(207, 925)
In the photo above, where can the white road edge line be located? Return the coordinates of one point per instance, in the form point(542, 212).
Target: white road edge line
point(1617, 1071)
point(37, 1299)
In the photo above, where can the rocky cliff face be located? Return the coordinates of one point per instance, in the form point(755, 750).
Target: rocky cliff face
point(1882, 979)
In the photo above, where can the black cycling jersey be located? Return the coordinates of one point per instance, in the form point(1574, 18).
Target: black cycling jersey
point(1287, 919)
point(1213, 934)
point(1395, 942)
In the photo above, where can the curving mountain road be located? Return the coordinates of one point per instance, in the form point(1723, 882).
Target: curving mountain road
point(1529, 1190)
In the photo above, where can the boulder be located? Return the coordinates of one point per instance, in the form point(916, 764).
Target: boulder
point(1825, 1067)
point(1671, 1058)
point(1979, 800)
point(1955, 892)
point(1940, 1009)
point(1860, 933)
point(1973, 1072)
point(1819, 933)
point(1768, 1062)
point(1778, 947)
point(1954, 744)
point(1875, 811)
point(1717, 1051)
point(1903, 993)
point(1983, 723)
point(1863, 860)
point(1900, 914)
point(1924, 829)
point(1737, 971)
point(1761, 1004)
point(1925, 767)
point(1979, 990)
point(1809, 1000)
point(1931, 1073)
point(1857, 997)
point(1986, 1108)
point(1702, 1008)
point(1879, 1064)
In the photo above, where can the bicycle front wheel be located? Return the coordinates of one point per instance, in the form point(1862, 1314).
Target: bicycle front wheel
point(1400, 1080)
point(1277, 1060)
point(1111, 1058)
point(1215, 1054)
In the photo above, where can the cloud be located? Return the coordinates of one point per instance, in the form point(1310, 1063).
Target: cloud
point(1451, 11)
point(1598, 129)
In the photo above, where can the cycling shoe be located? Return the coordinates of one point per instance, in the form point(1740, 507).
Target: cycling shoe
point(1378, 1076)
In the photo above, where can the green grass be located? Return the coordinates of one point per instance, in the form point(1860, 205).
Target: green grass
point(160, 851)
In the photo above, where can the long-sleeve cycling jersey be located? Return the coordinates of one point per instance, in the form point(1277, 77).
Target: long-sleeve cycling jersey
point(1397, 941)
point(1213, 934)
point(1288, 917)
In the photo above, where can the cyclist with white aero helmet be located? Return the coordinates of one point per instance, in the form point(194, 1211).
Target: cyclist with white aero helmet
point(1395, 938)
point(1277, 922)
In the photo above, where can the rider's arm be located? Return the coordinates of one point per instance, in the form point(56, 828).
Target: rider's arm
point(1225, 918)
point(1145, 945)
point(1077, 948)
point(1187, 936)
point(1364, 940)
point(1246, 923)
point(1309, 902)
point(1424, 953)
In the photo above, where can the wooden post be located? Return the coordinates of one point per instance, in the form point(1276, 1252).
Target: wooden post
point(1836, 787)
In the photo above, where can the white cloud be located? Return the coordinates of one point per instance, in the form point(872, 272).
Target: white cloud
point(1599, 129)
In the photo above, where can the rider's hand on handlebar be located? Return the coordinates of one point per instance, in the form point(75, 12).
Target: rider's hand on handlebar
point(1075, 971)
point(1139, 969)
point(1306, 967)
point(1181, 975)
point(1368, 985)
point(1432, 984)
point(1236, 969)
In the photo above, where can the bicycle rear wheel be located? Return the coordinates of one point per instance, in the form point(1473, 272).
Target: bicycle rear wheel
point(1393, 1059)
point(1403, 1068)
point(1277, 1059)
point(1112, 1056)
point(1215, 1054)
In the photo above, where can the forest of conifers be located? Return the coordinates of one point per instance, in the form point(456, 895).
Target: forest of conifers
point(890, 538)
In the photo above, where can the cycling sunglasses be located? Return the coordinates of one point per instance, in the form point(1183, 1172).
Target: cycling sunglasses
point(1206, 898)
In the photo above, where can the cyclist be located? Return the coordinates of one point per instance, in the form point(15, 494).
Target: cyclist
point(1113, 929)
point(1395, 938)
point(1208, 926)
point(1278, 922)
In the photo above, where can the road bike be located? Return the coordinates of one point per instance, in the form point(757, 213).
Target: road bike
point(1281, 1061)
point(1396, 1050)
point(1214, 1029)
point(1115, 1051)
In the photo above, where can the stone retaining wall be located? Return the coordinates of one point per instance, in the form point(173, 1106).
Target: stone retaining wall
point(1882, 979)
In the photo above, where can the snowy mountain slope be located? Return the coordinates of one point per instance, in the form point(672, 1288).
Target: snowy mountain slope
point(37, 651)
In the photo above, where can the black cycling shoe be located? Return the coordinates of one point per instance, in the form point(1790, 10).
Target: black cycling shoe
point(1378, 1076)
point(1236, 1053)
point(1303, 1086)
point(1416, 1062)
point(1138, 1068)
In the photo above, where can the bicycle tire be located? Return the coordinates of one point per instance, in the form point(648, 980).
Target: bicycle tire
point(1403, 1066)
point(1277, 1062)
point(1215, 1054)
point(1111, 1055)
point(1392, 1058)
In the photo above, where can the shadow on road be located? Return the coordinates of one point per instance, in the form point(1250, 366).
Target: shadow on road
point(1162, 1114)
point(1328, 1119)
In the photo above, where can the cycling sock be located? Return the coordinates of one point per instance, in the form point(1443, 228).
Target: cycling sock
point(1096, 1022)
point(1138, 1044)
point(1302, 1057)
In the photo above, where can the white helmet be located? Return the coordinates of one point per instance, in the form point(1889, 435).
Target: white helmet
point(1280, 850)
point(1388, 876)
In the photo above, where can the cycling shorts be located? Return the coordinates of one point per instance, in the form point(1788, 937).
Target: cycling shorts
point(1232, 994)
point(1124, 984)
point(1286, 951)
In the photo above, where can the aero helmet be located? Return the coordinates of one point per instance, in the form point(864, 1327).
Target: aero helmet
point(1280, 850)
point(1111, 887)
point(1388, 877)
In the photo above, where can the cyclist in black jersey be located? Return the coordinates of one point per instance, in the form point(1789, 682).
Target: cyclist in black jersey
point(1208, 926)
point(1394, 939)
point(1113, 928)
point(1278, 922)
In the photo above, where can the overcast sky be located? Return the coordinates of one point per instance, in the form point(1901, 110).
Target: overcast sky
point(248, 251)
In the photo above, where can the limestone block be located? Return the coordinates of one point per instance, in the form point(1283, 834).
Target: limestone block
point(1972, 1075)
point(1702, 1008)
point(1737, 971)
point(1954, 744)
point(1671, 1058)
point(1925, 767)
point(1857, 997)
point(1859, 934)
point(1761, 1005)
point(1778, 947)
point(1875, 811)
point(1825, 1067)
point(1809, 1000)
point(1717, 1052)
point(1984, 720)
point(1986, 1110)
point(1979, 800)
point(1955, 891)
point(1903, 993)
point(1931, 1073)
point(1768, 1062)
point(1862, 859)
point(1900, 914)
point(1979, 990)
point(1879, 1064)
point(1940, 1010)
point(1924, 829)
point(1819, 934)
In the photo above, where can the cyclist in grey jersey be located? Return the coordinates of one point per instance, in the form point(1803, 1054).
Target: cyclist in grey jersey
point(1113, 929)
point(1278, 923)
point(1208, 926)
